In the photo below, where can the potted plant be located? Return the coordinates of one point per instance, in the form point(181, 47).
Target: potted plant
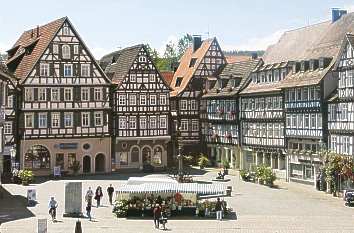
point(120, 208)
point(75, 167)
point(26, 176)
point(226, 166)
point(203, 161)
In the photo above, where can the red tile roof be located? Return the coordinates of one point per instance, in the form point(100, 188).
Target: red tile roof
point(167, 76)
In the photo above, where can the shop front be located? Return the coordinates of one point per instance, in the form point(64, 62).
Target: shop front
point(304, 168)
point(42, 156)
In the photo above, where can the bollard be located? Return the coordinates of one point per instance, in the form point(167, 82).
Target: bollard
point(78, 228)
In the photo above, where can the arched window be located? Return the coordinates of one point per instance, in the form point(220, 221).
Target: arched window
point(157, 156)
point(37, 157)
point(66, 51)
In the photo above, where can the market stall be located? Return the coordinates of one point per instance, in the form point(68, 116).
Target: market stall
point(137, 198)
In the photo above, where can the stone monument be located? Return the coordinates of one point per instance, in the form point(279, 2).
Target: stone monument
point(73, 199)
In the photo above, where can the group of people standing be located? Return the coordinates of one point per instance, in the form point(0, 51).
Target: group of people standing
point(97, 196)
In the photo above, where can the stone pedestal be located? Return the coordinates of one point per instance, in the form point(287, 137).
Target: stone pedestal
point(73, 199)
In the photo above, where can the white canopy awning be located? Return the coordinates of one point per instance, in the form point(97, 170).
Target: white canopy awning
point(201, 189)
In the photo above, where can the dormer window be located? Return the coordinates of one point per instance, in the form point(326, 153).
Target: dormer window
point(294, 68)
point(192, 63)
point(303, 66)
point(66, 52)
point(66, 31)
point(276, 75)
point(312, 65)
point(321, 63)
point(178, 81)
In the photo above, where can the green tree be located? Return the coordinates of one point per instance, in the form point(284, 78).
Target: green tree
point(183, 44)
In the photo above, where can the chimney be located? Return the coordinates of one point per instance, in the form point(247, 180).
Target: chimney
point(37, 31)
point(197, 42)
point(32, 33)
point(337, 14)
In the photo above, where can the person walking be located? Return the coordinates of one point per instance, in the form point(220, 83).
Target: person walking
point(89, 196)
point(98, 195)
point(218, 209)
point(53, 204)
point(110, 191)
point(88, 210)
point(157, 215)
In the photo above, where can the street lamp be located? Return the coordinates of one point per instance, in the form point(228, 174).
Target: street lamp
point(179, 157)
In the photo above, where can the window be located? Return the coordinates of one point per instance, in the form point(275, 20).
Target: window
point(123, 158)
point(68, 119)
point(152, 99)
point(28, 120)
point(163, 122)
point(122, 122)
point(55, 120)
point(98, 93)
point(55, 95)
point(134, 155)
point(68, 95)
point(29, 94)
point(85, 94)
point(59, 160)
point(163, 100)
point(152, 78)
point(184, 105)
point(71, 158)
point(85, 70)
point(42, 94)
point(307, 123)
point(142, 100)
point(195, 126)
point(184, 125)
point(132, 122)
point(152, 122)
point(65, 51)
point(66, 31)
point(192, 62)
point(313, 120)
point(68, 70)
point(193, 105)
point(44, 69)
point(132, 99)
point(142, 59)
point(122, 100)
point(55, 49)
point(85, 119)
point(42, 120)
point(7, 128)
point(133, 78)
point(142, 122)
point(98, 118)
point(10, 101)
point(76, 49)
point(178, 81)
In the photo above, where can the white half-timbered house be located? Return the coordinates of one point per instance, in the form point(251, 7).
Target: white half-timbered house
point(7, 120)
point(141, 109)
point(221, 131)
point(202, 61)
point(64, 101)
point(341, 104)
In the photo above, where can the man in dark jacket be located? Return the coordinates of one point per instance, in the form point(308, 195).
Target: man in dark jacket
point(110, 191)
point(218, 209)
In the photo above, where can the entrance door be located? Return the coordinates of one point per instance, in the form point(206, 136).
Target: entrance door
point(86, 164)
point(100, 163)
point(146, 155)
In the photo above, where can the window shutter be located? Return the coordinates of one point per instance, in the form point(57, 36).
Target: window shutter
point(77, 122)
point(48, 94)
point(61, 117)
point(92, 119)
point(61, 90)
point(35, 120)
point(105, 115)
point(49, 120)
point(77, 94)
point(76, 68)
point(51, 69)
point(60, 48)
point(92, 93)
point(35, 94)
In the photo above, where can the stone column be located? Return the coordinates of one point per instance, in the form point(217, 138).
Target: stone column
point(73, 199)
point(264, 158)
point(314, 176)
point(257, 159)
point(271, 161)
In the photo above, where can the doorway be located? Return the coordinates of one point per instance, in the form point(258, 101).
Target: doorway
point(86, 164)
point(100, 161)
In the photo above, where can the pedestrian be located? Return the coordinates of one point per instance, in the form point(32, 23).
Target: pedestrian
point(89, 196)
point(110, 191)
point(98, 195)
point(218, 209)
point(157, 215)
point(88, 210)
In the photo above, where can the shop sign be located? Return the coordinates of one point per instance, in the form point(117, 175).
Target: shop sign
point(66, 146)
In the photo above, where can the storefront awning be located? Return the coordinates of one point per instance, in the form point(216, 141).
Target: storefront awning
point(201, 189)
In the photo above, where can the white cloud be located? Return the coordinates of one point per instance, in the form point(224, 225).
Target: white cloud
point(4, 47)
point(258, 43)
point(349, 8)
point(170, 39)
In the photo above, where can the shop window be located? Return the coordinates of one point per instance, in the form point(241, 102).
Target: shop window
point(71, 158)
point(59, 160)
point(37, 157)
point(157, 158)
point(123, 158)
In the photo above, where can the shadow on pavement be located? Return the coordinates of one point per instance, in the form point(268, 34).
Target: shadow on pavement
point(13, 207)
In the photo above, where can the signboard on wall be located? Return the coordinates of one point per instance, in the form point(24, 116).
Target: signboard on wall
point(66, 146)
point(57, 171)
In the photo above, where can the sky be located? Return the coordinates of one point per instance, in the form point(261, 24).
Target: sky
point(108, 25)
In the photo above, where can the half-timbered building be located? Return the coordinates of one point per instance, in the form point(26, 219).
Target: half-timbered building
point(64, 101)
point(141, 109)
point(196, 72)
point(7, 120)
point(341, 103)
point(221, 125)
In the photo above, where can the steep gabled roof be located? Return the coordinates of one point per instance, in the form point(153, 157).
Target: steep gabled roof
point(240, 72)
point(184, 70)
point(23, 61)
point(117, 64)
point(167, 76)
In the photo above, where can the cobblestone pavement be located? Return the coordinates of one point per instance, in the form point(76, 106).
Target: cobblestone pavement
point(289, 208)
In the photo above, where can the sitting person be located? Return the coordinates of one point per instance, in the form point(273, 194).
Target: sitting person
point(221, 174)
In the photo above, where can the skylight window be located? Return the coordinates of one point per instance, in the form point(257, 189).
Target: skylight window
point(192, 63)
point(178, 81)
